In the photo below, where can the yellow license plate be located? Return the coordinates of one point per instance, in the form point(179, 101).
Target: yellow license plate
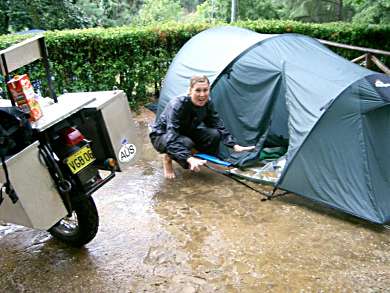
point(80, 159)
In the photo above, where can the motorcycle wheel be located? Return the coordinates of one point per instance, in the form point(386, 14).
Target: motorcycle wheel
point(81, 227)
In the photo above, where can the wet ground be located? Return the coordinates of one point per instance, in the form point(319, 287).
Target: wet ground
point(202, 232)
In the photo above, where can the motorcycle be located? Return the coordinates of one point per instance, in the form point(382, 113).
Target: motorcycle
point(52, 166)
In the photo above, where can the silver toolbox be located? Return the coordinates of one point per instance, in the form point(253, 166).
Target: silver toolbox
point(108, 123)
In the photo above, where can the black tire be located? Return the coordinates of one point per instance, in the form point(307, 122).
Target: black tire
point(81, 227)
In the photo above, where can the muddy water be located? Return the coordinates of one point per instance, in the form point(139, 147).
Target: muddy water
point(202, 232)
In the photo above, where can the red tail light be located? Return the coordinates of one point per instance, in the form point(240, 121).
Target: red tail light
point(73, 136)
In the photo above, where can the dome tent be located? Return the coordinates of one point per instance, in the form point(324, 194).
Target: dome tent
point(290, 89)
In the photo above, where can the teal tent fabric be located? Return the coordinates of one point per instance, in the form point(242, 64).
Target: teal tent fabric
point(219, 47)
point(291, 91)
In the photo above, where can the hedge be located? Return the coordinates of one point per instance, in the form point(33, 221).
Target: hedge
point(136, 59)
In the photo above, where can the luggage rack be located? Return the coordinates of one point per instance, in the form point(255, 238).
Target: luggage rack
point(22, 54)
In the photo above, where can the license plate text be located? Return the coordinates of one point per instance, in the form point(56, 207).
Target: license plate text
point(81, 159)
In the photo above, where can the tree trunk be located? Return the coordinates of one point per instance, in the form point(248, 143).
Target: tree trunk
point(339, 9)
point(4, 17)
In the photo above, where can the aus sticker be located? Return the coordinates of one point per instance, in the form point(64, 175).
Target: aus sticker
point(127, 151)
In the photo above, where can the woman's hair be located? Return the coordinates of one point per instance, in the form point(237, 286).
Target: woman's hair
point(198, 78)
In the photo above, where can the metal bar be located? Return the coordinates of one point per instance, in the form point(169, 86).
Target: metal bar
point(100, 183)
point(46, 154)
point(45, 60)
point(233, 15)
point(382, 66)
point(359, 58)
point(356, 48)
point(7, 78)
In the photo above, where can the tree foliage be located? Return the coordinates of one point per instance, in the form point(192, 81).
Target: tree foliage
point(247, 10)
point(252, 10)
point(213, 10)
point(371, 11)
point(68, 14)
point(190, 5)
point(317, 10)
point(159, 11)
point(110, 13)
point(41, 14)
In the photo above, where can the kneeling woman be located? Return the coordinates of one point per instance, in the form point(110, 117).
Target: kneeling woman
point(187, 123)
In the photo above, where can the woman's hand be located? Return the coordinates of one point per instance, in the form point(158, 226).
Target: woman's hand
point(195, 163)
point(238, 148)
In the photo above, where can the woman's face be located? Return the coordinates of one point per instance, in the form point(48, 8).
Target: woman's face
point(199, 93)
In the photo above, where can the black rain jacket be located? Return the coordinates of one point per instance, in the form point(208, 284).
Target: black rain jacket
point(180, 117)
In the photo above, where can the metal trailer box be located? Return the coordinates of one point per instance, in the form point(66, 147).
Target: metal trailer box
point(39, 205)
point(108, 123)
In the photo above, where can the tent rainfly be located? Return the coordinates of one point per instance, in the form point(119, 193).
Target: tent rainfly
point(289, 90)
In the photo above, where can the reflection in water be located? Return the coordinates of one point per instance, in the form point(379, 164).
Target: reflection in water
point(202, 232)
